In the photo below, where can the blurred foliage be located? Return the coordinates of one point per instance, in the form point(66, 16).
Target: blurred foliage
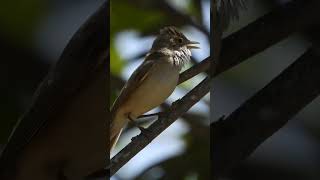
point(124, 16)
point(18, 19)
point(147, 16)
point(117, 63)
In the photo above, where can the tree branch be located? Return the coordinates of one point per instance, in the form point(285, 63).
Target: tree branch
point(195, 70)
point(260, 35)
point(266, 31)
point(294, 16)
point(83, 60)
point(236, 137)
point(165, 120)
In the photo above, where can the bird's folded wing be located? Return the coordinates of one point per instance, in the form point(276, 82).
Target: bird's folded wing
point(136, 79)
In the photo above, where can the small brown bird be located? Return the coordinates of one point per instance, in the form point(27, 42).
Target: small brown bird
point(153, 81)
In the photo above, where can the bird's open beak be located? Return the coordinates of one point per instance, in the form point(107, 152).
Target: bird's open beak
point(193, 45)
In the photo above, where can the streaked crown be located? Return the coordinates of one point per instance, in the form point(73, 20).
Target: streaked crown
point(171, 42)
point(171, 38)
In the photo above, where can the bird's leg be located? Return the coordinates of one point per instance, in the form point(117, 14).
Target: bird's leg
point(134, 122)
point(145, 132)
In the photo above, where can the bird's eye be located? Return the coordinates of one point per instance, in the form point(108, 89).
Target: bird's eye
point(180, 40)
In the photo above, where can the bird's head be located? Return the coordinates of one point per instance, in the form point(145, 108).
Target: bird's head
point(171, 38)
point(174, 44)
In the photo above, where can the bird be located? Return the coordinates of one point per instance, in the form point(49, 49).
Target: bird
point(153, 81)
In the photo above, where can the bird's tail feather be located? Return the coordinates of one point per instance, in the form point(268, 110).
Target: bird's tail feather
point(114, 140)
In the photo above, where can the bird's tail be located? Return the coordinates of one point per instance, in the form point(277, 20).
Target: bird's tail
point(114, 140)
point(118, 122)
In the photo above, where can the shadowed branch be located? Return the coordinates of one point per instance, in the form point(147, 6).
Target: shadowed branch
point(236, 137)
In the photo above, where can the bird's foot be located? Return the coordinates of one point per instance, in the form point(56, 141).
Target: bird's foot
point(146, 133)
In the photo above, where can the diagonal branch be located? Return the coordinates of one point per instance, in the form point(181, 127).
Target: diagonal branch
point(260, 35)
point(195, 70)
point(267, 31)
point(165, 120)
point(236, 137)
point(83, 60)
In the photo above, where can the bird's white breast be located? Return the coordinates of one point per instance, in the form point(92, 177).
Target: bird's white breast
point(154, 90)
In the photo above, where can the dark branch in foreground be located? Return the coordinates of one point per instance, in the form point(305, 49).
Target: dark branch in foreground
point(236, 137)
point(165, 120)
point(264, 32)
point(83, 60)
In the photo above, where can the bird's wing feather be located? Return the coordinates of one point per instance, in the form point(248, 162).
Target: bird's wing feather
point(136, 79)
